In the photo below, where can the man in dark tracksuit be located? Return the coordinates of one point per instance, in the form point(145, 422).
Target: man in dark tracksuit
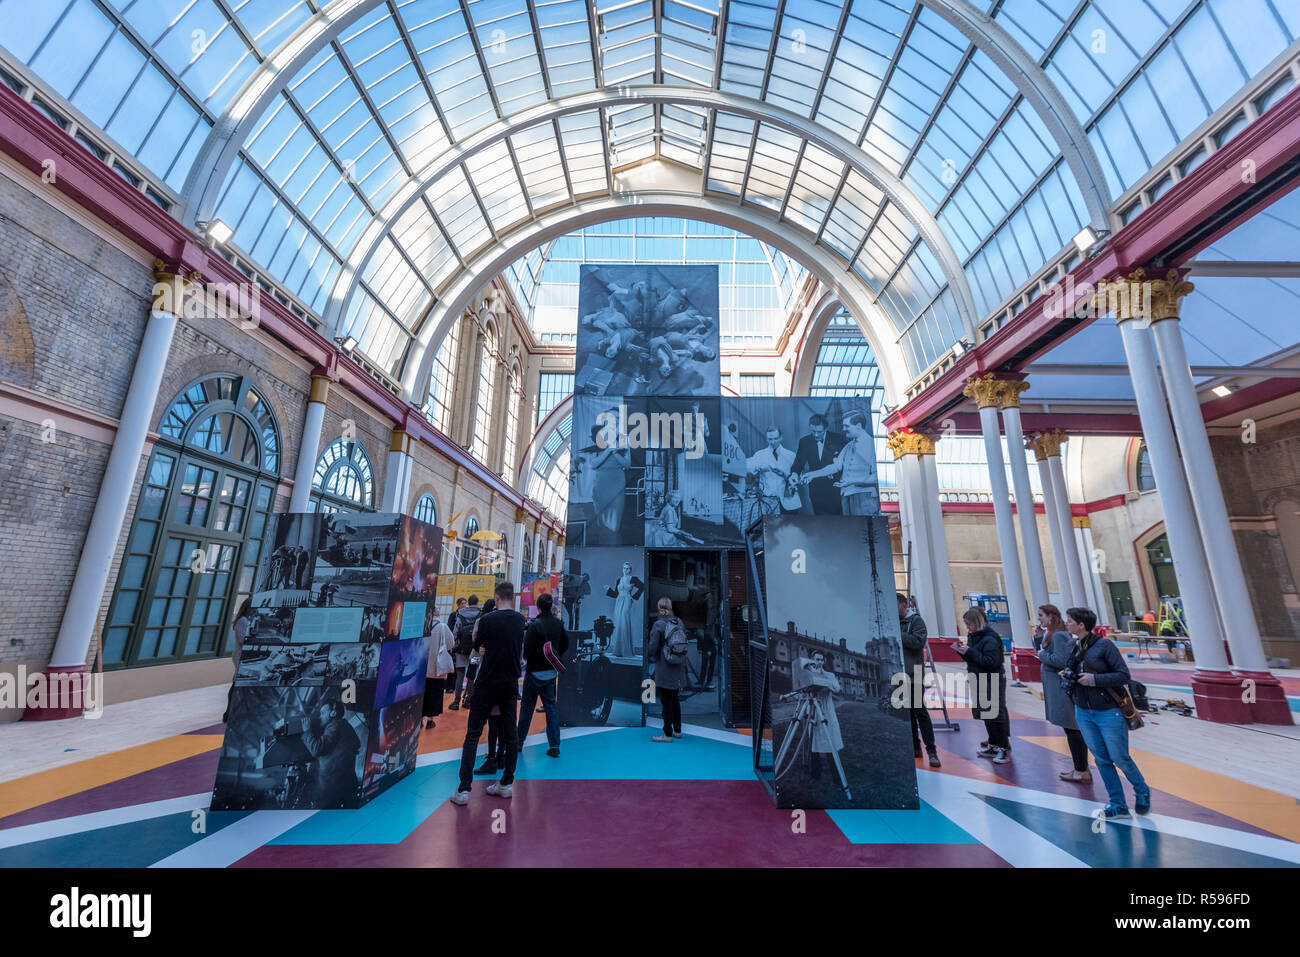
point(912, 627)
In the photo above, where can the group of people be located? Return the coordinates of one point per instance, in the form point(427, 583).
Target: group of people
point(780, 472)
point(1083, 677)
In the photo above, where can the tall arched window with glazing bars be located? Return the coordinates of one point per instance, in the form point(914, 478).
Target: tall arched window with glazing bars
point(514, 395)
point(487, 369)
point(197, 533)
point(344, 480)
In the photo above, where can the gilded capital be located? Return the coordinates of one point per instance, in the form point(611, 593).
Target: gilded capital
point(320, 388)
point(402, 442)
point(1137, 297)
point(1047, 444)
point(1080, 521)
point(1167, 294)
point(560, 541)
point(906, 441)
point(1009, 394)
point(521, 516)
point(983, 389)
point(171, 284)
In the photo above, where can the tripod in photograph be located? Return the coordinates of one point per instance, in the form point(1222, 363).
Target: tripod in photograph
point(809, 715)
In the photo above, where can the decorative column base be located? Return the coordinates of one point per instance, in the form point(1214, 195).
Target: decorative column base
point(1025, 665)
point(64, 694)
point(1218, 698)
point(1270, 705)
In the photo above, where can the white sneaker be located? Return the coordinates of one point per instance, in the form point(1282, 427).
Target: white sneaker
point(497, 789)
point(460, 798)
point(662, 737)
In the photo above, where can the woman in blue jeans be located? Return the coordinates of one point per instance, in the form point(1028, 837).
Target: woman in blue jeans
point(1100, 669)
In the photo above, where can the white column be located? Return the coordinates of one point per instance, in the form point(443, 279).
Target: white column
point(81, 615)
point(550, 554)
point(1102, 606)
point(1180, 520)
point(1025, 506)
point(1089, 586)
point(517, 553)
point(1054, 532)
point(921, 583)
point(1017, 606)
point(309, 443)
point(1207, 500)
point(1073, 567)
point(946, 613)
point(397, 476)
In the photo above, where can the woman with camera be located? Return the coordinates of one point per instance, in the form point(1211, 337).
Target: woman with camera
point(982, 651)
point(1057, 707)
point(1095, 673)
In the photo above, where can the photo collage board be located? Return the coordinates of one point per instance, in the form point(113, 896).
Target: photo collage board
point(326, 704)
point(660, 459)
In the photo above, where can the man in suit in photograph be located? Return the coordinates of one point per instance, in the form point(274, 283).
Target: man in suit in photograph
point(814, 452)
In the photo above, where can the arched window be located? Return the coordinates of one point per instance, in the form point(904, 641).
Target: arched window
point(528, 554)
point(344, 481)
point(469, 548)
point(442, 381)
point(487, 367)
point(1145, 479)
point(197, 533)
point(514, 393)
point(426, 509)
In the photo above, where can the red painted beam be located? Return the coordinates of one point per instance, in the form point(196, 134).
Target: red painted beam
point(1073, 423)
point(1249, 397)
point(1236, 179)
point(33, 141)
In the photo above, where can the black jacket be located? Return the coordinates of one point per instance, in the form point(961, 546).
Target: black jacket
point(914, 638)
point(984, 654)
point(540, 630)
point(1098, 657)
point(501, 636)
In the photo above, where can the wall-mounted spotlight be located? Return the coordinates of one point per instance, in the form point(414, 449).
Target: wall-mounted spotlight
point(216, 231)
point(1087, 238)
point(346, 343)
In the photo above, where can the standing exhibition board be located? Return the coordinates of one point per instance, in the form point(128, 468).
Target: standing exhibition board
point(325, 709)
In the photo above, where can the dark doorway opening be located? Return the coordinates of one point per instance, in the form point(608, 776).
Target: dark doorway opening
point(694, 582)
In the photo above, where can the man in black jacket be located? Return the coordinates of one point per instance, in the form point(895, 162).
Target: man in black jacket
point(499, 640)
point(816, 451)
point(540, 673)
point(912, 627)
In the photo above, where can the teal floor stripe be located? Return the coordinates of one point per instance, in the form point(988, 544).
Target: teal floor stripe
point(924, 826)
point(136, 844)
point(388, 819)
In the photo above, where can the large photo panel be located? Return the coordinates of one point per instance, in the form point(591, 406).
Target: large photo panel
point(648, 330)
point(834, 648)
point(681, 492)
point(605, 473)
point(607, 610)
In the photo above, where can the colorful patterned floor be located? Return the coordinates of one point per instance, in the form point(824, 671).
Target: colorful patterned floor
point(603, 803)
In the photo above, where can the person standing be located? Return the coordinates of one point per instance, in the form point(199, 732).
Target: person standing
point(915, 636)
point(814, 452)
point(983, 654)
point(451, 619)
point(441, 664)
point(1101, 674)
point(666, 635)
point(540, 673)
point(625, 591)
point(466, 618)
point(856, 466)
point(500, 643)
point(772, 465)
point(1054, 653)
point(333, 744)
point(827, 740)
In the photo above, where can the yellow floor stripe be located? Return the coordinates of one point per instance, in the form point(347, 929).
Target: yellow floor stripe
point(34, 790)
point(1277, 813)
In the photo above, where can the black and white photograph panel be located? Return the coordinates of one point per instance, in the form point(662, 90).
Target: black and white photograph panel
point(283, 665)
point(284, 576)
point(835, 456)
point(604, 473)
point(834, 647)
point(602, 683)
point(358, 661)
point(682, 487)
point(290, 748)
point(648, 330)
point(758, 459)
point(355, 559)
point(394, 742)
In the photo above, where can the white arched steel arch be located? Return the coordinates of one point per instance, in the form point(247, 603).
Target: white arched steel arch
point(237, 121)
point(493, 258)
point(842, 149)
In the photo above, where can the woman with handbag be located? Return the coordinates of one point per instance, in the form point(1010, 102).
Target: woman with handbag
point(1055, 654)
point(1101, 702)
point(441, 664)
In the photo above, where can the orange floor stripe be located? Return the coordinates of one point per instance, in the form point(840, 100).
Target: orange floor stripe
point(1274, 812)
point(34, 790)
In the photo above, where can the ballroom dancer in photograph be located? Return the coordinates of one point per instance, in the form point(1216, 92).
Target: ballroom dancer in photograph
point(772, 464)
point(626, 590)
point(856, 467)
point(816, 451)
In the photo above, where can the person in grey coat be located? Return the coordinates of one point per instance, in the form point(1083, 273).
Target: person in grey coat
point(1059, 709)
point(669, 678)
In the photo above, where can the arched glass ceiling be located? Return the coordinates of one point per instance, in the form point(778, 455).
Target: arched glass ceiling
point(942, 155)
point(757, 284)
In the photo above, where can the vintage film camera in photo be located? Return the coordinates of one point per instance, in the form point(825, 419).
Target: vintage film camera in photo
point(824, 617)
point(334, 665)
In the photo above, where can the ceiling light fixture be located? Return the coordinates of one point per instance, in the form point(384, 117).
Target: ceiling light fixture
point(1223, 391)
point(346, 343)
